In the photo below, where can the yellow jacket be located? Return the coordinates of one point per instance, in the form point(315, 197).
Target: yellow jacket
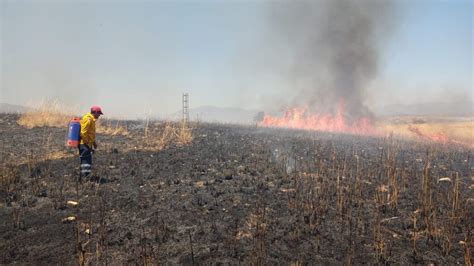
point(88, 129)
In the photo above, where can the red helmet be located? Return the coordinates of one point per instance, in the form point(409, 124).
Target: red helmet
point(96, 109)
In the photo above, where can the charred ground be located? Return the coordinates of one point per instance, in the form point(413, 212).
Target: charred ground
point(234, 194)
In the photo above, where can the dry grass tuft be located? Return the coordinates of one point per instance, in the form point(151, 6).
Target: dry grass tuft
point(46, 114)
point(179, 134)
point(184, 134)
point(8, 177)
point(113, 128)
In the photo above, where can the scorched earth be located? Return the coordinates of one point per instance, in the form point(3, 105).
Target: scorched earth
point(233, 195)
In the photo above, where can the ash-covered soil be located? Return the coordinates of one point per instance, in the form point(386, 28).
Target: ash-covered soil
point(234, 195)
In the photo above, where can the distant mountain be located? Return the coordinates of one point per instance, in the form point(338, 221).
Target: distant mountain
point(11, 108)
point(430, 109)
point(219, 115)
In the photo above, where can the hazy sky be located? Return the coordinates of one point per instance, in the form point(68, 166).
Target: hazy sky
point(138, 57)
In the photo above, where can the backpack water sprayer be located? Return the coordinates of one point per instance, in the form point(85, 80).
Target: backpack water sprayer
point(74, 133)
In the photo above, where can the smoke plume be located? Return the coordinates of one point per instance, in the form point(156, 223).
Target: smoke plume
point(333, 49)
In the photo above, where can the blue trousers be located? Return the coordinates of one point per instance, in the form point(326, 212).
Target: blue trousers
point(85, 154)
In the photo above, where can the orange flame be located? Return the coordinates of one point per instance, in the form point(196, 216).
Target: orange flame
point(301, 118)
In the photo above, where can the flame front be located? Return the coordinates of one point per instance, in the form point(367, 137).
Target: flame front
point(301, 118)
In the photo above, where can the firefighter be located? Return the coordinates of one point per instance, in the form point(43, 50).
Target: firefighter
point(88, 142)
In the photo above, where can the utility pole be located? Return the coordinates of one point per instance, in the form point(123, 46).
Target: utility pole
point(185, 108)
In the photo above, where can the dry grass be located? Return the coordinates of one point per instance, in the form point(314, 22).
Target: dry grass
point(113, 128)
point(171, 133)
point(46, 114)
point(456, 131)
point(184, 134)
point(8, 177)
point(55, 114)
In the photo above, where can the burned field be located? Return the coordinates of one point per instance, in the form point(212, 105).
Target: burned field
point(233, 195)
